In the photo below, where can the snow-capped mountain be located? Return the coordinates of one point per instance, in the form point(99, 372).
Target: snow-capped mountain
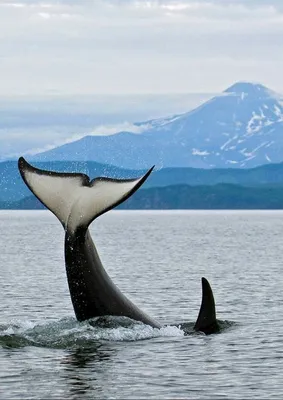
point(243, 127)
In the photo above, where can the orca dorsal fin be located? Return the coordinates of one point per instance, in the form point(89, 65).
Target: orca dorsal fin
point(206, 321)
point(73, 197)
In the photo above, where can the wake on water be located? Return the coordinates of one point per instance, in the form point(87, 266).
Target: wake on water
point(69, 333)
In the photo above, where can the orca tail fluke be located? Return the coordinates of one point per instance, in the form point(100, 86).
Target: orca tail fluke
point(73, 198)
point(206, 321)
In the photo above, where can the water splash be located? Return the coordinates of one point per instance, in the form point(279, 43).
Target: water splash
point(69, 333)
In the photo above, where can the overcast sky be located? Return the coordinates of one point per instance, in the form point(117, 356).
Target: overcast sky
point(138, 46)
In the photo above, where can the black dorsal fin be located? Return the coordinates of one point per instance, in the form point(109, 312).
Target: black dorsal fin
point(206, 321)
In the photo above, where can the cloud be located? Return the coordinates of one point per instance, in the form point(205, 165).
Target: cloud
point(98, 131)
point(138, 46)
point(39, 123)
point(124, 127)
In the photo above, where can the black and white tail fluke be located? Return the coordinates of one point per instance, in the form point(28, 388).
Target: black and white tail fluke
point(73, 197)
point(206, 321)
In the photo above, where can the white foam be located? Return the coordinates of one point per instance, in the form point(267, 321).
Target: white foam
point(135, 333)
point(68, 332)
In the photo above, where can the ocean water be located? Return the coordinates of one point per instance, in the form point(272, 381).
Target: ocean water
point(157, 259)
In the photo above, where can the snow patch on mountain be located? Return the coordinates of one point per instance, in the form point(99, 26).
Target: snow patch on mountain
point(196, 152)
point(235, 129)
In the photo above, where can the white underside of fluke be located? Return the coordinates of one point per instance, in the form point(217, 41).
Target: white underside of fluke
point(74, 199)
point(89, 202)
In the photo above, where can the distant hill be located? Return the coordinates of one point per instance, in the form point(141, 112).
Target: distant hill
point(242, 128)
point(12, 187)
point(221, 196)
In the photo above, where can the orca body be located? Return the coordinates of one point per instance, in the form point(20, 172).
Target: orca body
point(77, 201)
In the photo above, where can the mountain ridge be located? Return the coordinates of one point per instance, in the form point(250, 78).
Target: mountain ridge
point(242, 128)
point(12, 187)
point(186, 197)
